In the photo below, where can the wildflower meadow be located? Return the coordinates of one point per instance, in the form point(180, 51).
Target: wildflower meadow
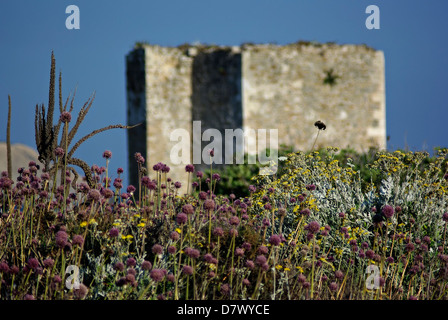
point(320, 228)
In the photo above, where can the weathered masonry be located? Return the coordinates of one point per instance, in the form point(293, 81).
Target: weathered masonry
point(262, 86)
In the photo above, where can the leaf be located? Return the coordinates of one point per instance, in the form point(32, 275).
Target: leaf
point(386, 188)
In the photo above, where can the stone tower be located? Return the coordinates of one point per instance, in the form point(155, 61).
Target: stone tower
point(253, 86)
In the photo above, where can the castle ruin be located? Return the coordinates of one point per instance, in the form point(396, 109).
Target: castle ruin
point(254, 86)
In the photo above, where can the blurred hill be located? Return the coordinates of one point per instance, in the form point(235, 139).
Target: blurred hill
point(21, 155)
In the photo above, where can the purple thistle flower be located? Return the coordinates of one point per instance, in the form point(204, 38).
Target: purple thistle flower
point(188, 209)
point(250, 264)
point(208, 257)
point(409, 247)
point(118, 183)
point(218, 232)
point(239, 252)
point(131, 271)
point(14, 269)
point(192, 253)
point(313, 227)
point(174, 235)
point(233, 232)
point(157, 275)
point(61, 238)
point(388, 211)
point(252, 189)
point(275, 240)
point(59, 152)
point(225, 289)
point(177, 185)
point(81, 292)
point(310, 187)
point(209, 204)
point(202, 195)
point(370, 254)
point(170, 277)
point(65, 117)
point(93, 195)
point(188, 270)
point(119, 266)
point(234, 221)
point(107, 193)
point(165, 168)
point(260, 260)
point(130, 262)
point(78, 240)
point(306, 212)
point(263, 250)
point(139, 158)
point(265, 223)
point(333, 286)
point(189, 168)
point(130, 189)
point(445, 217)
point(130, 278)
point(157, 249)
point(33, 263)
point(339, 274)
point(146, 265)
point(171, 249)
point(247, 246)
point(181, 218)
point(107, 154)
point(361, 254)
point(4, 268)
point(114, 232)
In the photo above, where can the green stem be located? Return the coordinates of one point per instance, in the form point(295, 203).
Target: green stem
point(312, 268)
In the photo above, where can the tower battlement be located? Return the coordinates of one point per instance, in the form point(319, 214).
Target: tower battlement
point(255, 86)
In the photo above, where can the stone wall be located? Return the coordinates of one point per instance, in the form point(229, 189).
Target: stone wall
point(289, 88)
point(216, 96)
point(166, 101)
point(254, 87)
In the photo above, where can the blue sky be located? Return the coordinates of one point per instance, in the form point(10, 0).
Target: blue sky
point(412, 34)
